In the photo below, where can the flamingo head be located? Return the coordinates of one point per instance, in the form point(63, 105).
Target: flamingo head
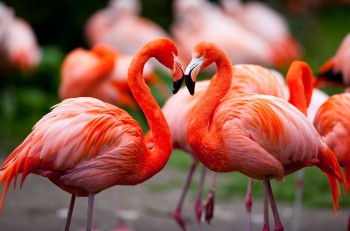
point(166, 53)
point(203, 55)
point(328, 76)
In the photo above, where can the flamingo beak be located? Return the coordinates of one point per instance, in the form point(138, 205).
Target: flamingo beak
point(178, 77)
point(328, 79)
point(191, 73)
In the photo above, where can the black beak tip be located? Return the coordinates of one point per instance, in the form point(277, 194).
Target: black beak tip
point(190, 84)
point(177, 85)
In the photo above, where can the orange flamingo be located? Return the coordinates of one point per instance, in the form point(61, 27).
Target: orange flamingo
point(102, 73)
point(331, 119)
point(332, 122)
point(251, 133)
point(100, 145)
point(246, 78)
point(19, 46)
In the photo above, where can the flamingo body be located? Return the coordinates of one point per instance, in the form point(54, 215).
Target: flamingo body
point(332, 123)
point(19, 46)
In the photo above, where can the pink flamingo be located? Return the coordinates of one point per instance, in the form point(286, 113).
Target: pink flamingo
point(197, 20)
point(116, 25)
point(19, 46)
point(85, 146)
point(269, 25)
point(250, 133)
point(336, 69)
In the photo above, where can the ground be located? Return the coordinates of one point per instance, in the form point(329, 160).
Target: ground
point(40, 205)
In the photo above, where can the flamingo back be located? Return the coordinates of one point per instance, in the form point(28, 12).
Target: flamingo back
point(249, 78)
point(80, 137)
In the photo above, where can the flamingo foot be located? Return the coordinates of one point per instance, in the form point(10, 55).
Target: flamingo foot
point(279, 227)
point(266, 227)
point(349, 223)
point(122, 226)
point(199, 210)
point(177, 215)
point(209, 207)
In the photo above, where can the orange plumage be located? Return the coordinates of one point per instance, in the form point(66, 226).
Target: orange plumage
point(85, 145)
point(262, 136)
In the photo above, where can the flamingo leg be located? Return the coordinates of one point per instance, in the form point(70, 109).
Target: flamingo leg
point(90, 210)
point(266, 226)
point(198, 204)
point(177, 214)
point(249, 203)
point(209, 205)
point(70, 212)
point(298, 199)
point(278, 223)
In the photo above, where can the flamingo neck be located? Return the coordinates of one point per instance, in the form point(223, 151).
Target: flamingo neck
point(300, 84)
point(219, 86)
point(159, 155)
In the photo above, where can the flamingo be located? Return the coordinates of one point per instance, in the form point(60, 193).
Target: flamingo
point(102, 73)
point(261, 136)
point(85, 146)
point(245, 78)
point(331, 120)
point(332, 123)
point(19, 46)
point(116, 25)
point(337, 68)
point(197, 20)
point(269, 25)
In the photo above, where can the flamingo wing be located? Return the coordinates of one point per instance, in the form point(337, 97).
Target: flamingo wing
point(78, 135)
point(251, 122)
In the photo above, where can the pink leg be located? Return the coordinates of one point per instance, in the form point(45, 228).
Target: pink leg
point(70, 212)
point(266, 226)
point(90, 209)
point(248, 203)
point(209, 205)
point(177, 214)
point(299, 182)
point(198, 204)
point(278, 223)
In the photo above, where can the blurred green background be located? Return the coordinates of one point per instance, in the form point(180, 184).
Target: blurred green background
point(59, 26)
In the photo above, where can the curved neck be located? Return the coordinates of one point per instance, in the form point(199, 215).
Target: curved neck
point(219, 86)
point(162, 149)
point(300, 83)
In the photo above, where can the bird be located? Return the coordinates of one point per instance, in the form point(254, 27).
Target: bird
point(101, 72)
point(19, 47)
point(197, 20)
point(331, 119)
point(261, 136)
point(337, 69)
point(245, 78)
point(332, 122)
point(116, 25)
point(85, 145)
point(268, 24)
